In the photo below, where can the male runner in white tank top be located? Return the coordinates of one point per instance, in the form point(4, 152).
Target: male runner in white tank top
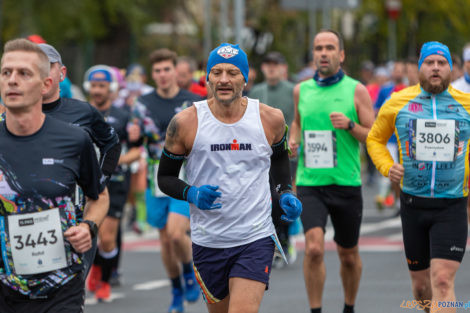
point(230, 143)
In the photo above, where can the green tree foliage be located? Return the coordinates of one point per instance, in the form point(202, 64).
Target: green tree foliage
point(77, 20)
point(119, 26)
point(418, 22)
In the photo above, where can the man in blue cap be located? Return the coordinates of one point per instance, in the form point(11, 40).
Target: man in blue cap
point(230, 144)
point(432, 124)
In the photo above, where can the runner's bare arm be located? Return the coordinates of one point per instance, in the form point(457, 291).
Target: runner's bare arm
point(365, 112)
point(295, 133)
point(132, 155)
point(273, 122)
point(181, 132)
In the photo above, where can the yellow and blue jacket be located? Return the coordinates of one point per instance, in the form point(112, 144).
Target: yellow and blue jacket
point(401, 114)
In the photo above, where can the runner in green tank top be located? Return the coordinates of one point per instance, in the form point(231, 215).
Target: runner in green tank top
point(333, 114)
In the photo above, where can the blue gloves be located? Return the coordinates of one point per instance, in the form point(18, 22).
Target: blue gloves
point(291, 205)
point(203, 197)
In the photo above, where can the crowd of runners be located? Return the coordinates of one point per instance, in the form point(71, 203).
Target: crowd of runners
point(227, 170)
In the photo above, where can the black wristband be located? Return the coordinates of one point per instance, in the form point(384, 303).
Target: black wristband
point(93, 228)
point(288, 191)
point(351, 125)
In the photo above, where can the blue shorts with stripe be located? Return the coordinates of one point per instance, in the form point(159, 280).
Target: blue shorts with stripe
point(214, 267)
point(159, 207)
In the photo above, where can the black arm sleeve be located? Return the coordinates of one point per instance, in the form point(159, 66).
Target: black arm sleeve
point(90, 179)
point(280, 167)
point(168, 171)
point(110, 159)
point(107, 140)
point(103, 134)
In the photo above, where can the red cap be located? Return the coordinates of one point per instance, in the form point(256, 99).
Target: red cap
point(36, 39)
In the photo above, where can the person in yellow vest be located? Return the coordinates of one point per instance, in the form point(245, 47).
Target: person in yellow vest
point(333, 114)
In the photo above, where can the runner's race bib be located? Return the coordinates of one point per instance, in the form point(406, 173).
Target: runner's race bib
point(37, 242)
point(320, 149)
point(434, 140)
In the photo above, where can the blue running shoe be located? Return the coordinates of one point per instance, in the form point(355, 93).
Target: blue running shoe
point(191, 290)
point(177, 303)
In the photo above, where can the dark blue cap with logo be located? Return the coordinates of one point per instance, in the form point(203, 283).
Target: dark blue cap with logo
point(228, 53)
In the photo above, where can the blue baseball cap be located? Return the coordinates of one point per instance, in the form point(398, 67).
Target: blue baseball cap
point(228, 53)
point(100, 75)
point(434, 47)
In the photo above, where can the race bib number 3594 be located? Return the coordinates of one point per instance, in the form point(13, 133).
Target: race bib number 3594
point(37, 243)
point(320, 149)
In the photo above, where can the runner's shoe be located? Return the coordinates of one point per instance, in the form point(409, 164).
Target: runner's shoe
point(115, 280)
point(94, 278)
point(291, 253)
point(177, 303)
point(103, 293)
point(278, 262)
point(379, 203)
point(191, 290)
point(389, 201)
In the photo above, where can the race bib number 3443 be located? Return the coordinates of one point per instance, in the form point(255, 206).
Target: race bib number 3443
point(434, 140)
point(37, 243)
point(320, 149)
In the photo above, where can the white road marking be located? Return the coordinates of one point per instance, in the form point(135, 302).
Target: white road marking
point(372, 227)
point(114, 296)
point(153, 284)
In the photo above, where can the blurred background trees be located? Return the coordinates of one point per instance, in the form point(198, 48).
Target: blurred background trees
point(120, 32)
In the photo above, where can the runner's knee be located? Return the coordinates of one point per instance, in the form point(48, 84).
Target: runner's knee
point(176, 238)
point(314, 251)
point(165, 239)
point(107, 242)
point(350, 259)
point(420, 285)
point(442, 282)
point(420, 290)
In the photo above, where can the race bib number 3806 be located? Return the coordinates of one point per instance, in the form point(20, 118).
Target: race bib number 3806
point(434, 140)
point(37, 243)
point(320, 149)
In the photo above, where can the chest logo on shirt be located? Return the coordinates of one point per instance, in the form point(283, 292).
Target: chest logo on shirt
point(110, 119)
point(452, 108)
point(51, 161)
point(415, 107)
point(234, 146)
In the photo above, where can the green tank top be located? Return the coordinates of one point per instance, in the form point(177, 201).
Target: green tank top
point(328, 156)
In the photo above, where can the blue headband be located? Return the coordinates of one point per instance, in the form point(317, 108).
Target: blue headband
point(228, 53)
point(434, 47)
point(100, 75)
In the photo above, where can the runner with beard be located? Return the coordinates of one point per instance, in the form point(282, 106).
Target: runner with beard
point(432, 123)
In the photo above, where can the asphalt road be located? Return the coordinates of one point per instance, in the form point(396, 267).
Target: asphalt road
point(384, 286)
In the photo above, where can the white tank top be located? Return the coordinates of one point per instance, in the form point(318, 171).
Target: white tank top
point(236, 157)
